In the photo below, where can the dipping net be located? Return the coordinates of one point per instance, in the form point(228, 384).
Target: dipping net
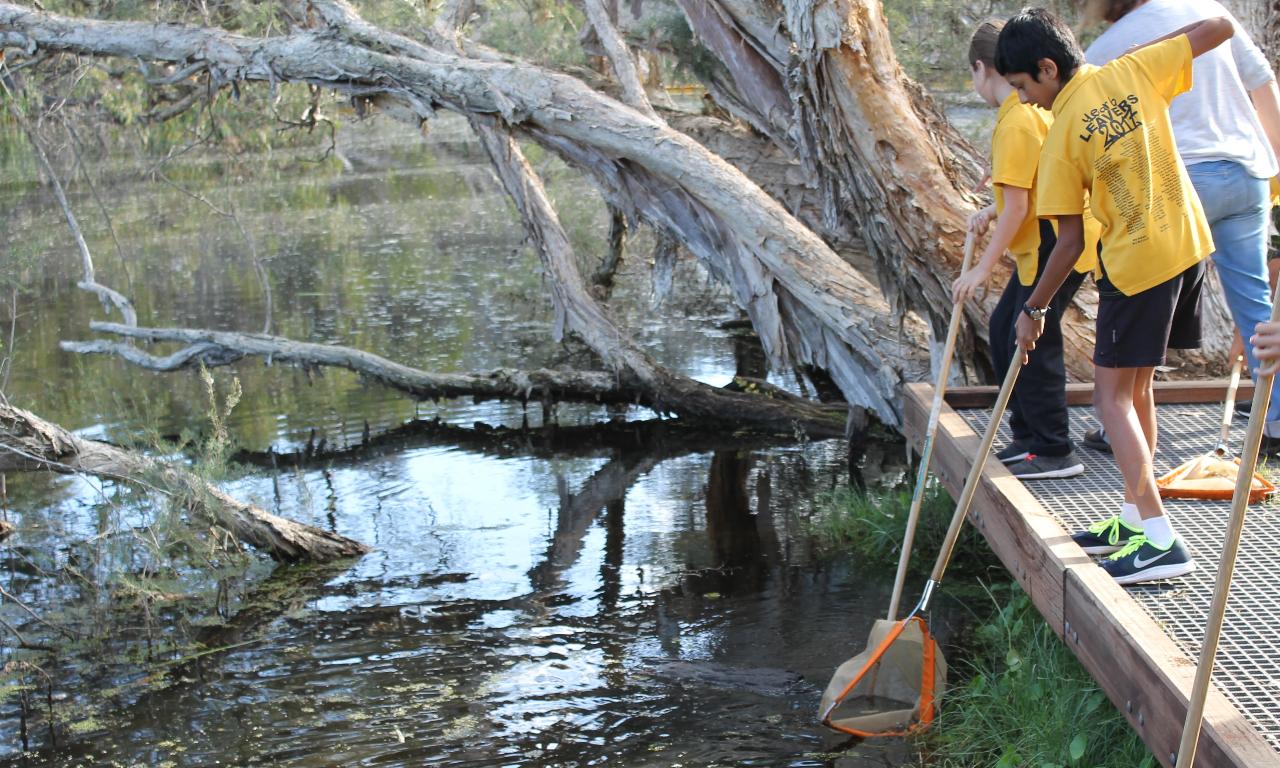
point(1211, 476)
point(890, 689)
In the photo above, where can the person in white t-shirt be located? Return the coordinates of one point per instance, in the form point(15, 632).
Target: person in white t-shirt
point(1227, 128)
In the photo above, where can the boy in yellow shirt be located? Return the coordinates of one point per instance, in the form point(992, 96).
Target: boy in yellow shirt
point(1111, 138)
point(1038, 418)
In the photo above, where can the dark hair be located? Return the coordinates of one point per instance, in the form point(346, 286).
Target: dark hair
point(1036, 34)
point(982, 48)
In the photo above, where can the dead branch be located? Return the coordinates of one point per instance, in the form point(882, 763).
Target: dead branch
point(663, 392)
point(28, 443)
point(87, 282)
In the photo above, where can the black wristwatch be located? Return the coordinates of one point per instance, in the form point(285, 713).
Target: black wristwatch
point(1035, 313)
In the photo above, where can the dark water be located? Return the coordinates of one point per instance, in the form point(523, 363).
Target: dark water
point(563, 596)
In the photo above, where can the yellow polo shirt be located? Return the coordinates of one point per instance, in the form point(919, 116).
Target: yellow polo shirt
point(1015, 152)
point(1111, 137)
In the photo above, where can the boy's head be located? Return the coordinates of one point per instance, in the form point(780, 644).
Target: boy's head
point(982, 59)
point(1037, 54)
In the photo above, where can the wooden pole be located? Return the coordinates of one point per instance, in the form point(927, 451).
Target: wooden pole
point(1227, 564)
point(926, 451)
point(975, 472)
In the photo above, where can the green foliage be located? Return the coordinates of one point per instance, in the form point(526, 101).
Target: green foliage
point(1028, 702)
point(931, 37)
point(871, 526)
point(541, 31)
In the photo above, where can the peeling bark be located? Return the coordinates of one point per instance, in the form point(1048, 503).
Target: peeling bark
point(746, 237)
point(28, 442)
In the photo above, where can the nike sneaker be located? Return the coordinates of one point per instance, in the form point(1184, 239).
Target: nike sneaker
point(1106, 536)
point(1140, 560)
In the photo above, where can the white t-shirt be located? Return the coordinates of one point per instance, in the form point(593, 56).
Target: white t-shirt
point(1215, 120)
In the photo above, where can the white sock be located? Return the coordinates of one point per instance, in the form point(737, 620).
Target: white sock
point(1158, 531)
point(1129, 515)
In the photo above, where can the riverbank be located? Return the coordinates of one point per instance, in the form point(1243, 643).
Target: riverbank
point(1016, 696)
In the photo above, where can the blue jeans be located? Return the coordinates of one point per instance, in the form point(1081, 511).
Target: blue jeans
point(1236, 205)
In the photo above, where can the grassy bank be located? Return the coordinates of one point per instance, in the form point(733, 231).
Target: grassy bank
point(870, 528)
point(1017, 697)
point(1022, 699)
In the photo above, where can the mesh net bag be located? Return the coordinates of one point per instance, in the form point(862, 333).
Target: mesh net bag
point(890, 689)
point(1210, 477)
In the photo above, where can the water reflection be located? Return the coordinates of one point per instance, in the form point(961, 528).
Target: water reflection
point(542, 592)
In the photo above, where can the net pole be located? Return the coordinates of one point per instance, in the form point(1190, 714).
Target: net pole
point(926, 450)
point(1227, 562)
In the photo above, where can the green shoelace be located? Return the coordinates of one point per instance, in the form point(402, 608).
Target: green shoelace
point(1130, 547)
point(1110, 526)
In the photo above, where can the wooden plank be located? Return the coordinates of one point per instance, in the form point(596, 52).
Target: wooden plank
point(1026, 538)
point(1148, 678)
point(1081, 393)
point(1134, 662)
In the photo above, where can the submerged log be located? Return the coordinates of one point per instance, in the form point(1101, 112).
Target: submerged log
point(28, 442)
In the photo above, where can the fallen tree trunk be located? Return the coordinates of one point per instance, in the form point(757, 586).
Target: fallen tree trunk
point(774, 410)
point(805, 302)
point(28, 442)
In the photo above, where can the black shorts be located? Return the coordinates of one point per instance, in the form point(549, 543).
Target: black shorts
point(1135, 331)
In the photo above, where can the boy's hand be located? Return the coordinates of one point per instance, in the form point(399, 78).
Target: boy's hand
point(980, 220)
point(969, 282)
point(1029, 332)
point(1266, 347)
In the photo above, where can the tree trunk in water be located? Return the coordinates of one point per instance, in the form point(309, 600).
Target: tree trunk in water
point(31, 443)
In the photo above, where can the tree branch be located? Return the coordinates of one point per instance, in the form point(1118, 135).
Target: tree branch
point(774, 411)
point(624, 67)
point(28, 442)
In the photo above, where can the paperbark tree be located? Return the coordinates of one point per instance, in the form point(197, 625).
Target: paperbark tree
point(805, 301)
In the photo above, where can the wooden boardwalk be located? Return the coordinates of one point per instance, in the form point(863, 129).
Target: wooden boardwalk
point(1140, 643)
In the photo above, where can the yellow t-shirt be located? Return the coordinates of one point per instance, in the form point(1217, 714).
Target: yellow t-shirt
point(1015, 152)
point(1111, 137)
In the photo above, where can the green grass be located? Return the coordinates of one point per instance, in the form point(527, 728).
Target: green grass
point(1027, 702)
point(871, 528)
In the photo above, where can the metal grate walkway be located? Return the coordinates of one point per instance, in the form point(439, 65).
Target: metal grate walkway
point(1248, 664)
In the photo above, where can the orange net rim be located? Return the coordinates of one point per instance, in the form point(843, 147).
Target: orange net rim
point(1260, 489)
point(926, 706)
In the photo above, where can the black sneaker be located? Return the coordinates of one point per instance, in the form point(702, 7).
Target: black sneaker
point(1140, 560)
point(1035, 467)
point(1011, 453)
point(1097, 440)
point(1106, 536)
point(1244, 408)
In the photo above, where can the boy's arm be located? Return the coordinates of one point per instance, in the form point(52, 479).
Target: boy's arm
point(1204, 35)
point(1063, 258)
point(1017, 203)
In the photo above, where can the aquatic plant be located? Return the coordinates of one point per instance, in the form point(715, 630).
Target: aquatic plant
point(870, 526)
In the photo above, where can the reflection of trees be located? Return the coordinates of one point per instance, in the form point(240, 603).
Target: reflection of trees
point(578, 512)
